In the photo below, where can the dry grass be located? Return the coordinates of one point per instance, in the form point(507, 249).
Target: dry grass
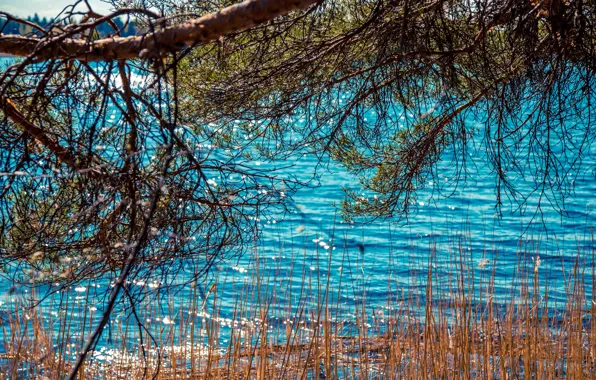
point(456, 328)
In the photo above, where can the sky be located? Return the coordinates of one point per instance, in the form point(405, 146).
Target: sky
point(45, 8)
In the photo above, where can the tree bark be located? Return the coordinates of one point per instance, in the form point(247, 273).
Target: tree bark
point(173, 38)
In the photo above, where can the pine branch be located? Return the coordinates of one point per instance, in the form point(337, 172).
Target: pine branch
point(205, 29)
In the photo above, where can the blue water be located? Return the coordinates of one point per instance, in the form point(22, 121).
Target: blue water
point(381, 261)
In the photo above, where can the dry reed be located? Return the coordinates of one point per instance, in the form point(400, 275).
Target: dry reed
point(458, 326)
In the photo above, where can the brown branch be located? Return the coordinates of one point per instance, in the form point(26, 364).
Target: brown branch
point(235, 18)
point(62, 153)
point(108, 222)
point(125, 272)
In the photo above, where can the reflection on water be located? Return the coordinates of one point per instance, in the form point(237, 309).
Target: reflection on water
point(377, 263)
point(313, 254)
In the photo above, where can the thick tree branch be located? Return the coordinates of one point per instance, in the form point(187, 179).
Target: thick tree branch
point(205, 29)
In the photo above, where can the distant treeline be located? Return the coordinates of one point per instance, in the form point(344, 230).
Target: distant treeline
point(14, 27)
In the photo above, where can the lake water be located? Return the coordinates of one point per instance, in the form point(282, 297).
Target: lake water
point(376, 261)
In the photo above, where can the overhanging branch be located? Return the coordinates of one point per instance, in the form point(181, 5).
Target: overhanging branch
point(39, 134)
point(173, 38)
point(63, 154)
